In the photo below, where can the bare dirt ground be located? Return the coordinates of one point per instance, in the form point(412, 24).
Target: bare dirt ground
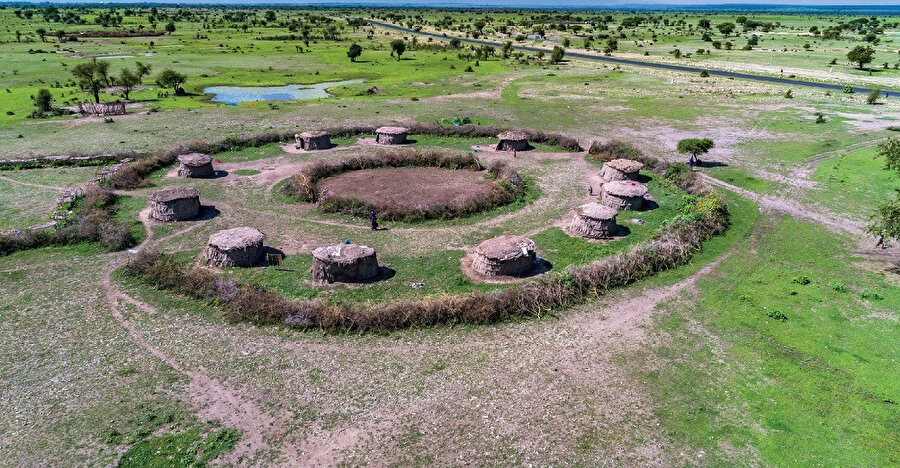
point(410, 188)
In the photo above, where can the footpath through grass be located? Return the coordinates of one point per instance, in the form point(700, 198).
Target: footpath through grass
point(803, 366)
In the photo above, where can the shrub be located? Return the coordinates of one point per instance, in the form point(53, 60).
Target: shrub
point(774, 314)
point(801, 280)
point(871, 295)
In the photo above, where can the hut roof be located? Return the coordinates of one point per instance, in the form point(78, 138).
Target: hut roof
point(513, 136)
point(627, 166)
point(341, 253)
point(505, 247)
point(392, 130)
point(596, 211)
point(625, 188)
point(174, 193)
point(236, 238)
point(314, 134)
point(194, 159)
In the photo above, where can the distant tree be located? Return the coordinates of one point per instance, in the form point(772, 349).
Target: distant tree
point(270, 16)
point(885, 221)
point(127, 81)
point(861, 55)
point(455, 43)
point(169, 78)
point(60, 35)
point(703, 23)
point(872, 98)
point(18, 36)
point(506, 49)
point(170, 27)
point(695, 146)
point(611, 45)
point(890, 151)
point(91, 77)
point(42, 33)
point(557, 55)
point(726, 28)
point(43, 101)
point(141, 70)
point(398, 46)
point(354, 52)
point(704, 74)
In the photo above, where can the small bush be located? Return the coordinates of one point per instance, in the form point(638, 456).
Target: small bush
point(801, 280)
point(840, 288)
point(774, 314)
point(871, 295)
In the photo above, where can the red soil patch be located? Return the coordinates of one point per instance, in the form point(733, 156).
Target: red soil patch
point(408, 187)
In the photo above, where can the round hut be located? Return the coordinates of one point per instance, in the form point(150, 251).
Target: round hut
point(512, 141)
point(195, 165)
point(624, 195)
point(344, 263)
point(621, 169)
point(594, 220)
point(238, 247)
point(313, 141)
point(391, 135)
point(176, 203)
point(505, 255)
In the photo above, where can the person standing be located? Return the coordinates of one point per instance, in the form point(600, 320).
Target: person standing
point(373, 222)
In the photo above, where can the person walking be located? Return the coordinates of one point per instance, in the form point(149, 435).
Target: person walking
point(373, 222)
point(880, 242)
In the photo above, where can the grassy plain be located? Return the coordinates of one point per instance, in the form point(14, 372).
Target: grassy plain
point(777, 345)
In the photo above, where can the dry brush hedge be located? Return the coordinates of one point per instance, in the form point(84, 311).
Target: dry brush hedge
point(93, 220)
point(134, 173)
point(507, 187)
point(706, 216)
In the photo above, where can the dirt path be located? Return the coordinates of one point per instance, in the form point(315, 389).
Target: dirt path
point(212, 398)
point(29, 184)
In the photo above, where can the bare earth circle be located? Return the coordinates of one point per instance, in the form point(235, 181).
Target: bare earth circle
point(408, 187)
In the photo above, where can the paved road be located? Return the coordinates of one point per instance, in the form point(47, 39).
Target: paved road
point(637, 63)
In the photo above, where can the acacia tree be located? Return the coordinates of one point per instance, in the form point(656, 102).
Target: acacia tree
point(695, 146)
point(886, 219)
point(354, 51)
point(91, 76)
point(127, 81)
point(141, 70)
point(42, 33)
point(726, 28)
point(398, 46)
point(557, 55)
point(169, 78)
point(861, 55)
point(43, 101)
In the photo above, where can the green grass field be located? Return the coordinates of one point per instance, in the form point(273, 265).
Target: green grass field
point(776, 345)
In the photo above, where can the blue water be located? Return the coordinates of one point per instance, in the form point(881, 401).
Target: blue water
point(234, 95)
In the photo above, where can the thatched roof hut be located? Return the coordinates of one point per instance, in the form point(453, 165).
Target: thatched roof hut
point(594, 220)
point(176, 203)
point(512, 141)
point(506, 255)
point(624, 195)
point(195, 165)
point(237, 247)
point(345, 263)
point(621, 169)
point(391, 135)
point(313, 141)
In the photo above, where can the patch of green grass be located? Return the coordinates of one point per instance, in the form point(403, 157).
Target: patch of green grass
point(852, 183)
point(187, 449)
point(127, 210)
point(246, 172)
point(251, 153)
point(799, 379)
point(741, 179)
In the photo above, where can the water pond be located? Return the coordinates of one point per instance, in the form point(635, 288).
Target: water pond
point(234, 95)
